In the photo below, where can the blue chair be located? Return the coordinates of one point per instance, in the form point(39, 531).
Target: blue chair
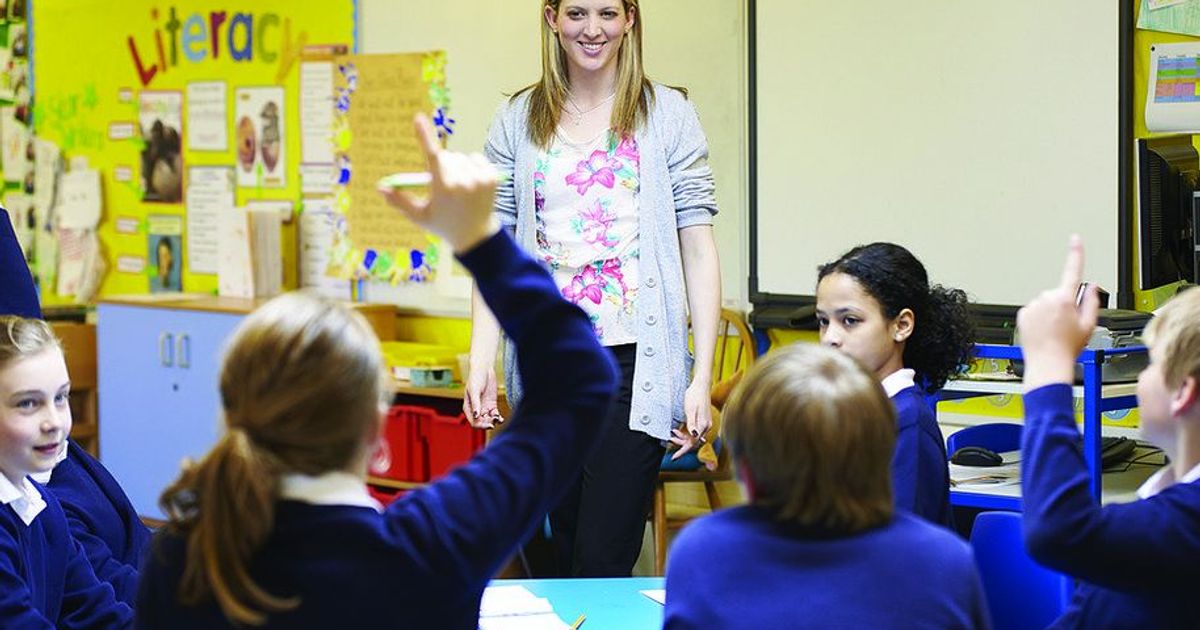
point(1021, 594)
point(996, 436)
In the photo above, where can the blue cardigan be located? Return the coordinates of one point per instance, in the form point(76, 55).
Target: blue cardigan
point(1138, 563)
point(18, 296)
point(920, 474)
point(425, 561)
point(102, 519)
point(738, 568)
point(45, 579)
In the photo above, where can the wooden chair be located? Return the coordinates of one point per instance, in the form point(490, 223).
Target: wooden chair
point(79, 346)
point(735, 352)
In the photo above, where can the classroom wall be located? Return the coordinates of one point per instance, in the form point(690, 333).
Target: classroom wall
point(493, 50)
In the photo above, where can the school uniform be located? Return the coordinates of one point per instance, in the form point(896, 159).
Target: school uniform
point(740, 568)
point(920, 474)
point(45, 579)
point(101, 518)
point(1138, 563)
point(18, 295)
point(425, 560)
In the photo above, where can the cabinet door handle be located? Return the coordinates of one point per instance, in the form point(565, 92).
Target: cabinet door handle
point(166, 349)
point(185, 351)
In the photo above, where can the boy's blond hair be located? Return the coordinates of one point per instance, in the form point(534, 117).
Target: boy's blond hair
point(816, 432)
point(1175, 331)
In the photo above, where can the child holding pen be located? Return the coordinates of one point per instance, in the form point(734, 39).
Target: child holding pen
point(274, 526)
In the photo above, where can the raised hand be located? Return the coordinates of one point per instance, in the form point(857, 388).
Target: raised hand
point(1053, 329)
point(459, 205)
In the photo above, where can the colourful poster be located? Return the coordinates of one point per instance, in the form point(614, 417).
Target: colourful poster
point(160, 118)
point(98, 62)
point(259, 121)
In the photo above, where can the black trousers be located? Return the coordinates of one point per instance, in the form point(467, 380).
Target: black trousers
point(598, 526)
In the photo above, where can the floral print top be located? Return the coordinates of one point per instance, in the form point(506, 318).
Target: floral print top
point(586, 203)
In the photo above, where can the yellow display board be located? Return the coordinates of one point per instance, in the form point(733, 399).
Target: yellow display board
point(145, 92)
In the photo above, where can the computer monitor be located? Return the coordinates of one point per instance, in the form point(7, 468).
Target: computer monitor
point(1167, 207)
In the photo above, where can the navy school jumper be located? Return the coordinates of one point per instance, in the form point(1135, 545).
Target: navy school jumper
point(1138, 563)
point(425, 561)
point(45, 578)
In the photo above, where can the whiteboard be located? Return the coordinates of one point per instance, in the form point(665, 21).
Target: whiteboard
point(493, 50)
point(978, 134)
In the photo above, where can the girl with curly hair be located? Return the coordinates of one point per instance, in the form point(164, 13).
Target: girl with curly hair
point(875, 303)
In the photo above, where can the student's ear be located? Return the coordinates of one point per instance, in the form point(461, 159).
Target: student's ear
point(903, 325)
point(746, 477)
point(1184, 401)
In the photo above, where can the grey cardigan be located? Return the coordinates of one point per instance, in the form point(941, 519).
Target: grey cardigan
point(676, 191)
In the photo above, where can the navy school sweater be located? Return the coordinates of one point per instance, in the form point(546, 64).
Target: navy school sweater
point(45, 579)
point(738, 568)
point(102, 519)
point(18, 296)
point(1138, 563)
point(425, 561)
point(920, 474)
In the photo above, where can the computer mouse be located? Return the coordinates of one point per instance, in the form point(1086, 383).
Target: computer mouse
point(976, 456)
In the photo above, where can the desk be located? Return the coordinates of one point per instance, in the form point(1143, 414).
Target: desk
point(1097, 398)
point(609, 603)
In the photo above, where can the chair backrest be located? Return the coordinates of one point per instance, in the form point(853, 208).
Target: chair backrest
point(996, 436)
point(735, 346)
point(1021, 594)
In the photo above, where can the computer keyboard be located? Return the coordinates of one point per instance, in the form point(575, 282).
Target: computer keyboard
point(1114, 450)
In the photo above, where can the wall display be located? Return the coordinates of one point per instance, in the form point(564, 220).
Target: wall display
point(173, 71)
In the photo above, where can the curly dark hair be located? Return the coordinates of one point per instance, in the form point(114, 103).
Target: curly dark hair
point(943, 336)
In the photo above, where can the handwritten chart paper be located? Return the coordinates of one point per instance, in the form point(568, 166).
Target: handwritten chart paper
point(375, 99)
point(208, 116)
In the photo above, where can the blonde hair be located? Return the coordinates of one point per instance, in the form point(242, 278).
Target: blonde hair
point(1175, 331)
point(301, 385)
point(22, 337)
point(548, 97)
point(817, 432)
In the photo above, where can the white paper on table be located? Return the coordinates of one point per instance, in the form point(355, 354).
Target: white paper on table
point(316, 112)
point(209, 193)
point(235, 272)
point(316, 243)
point(1172, 100)
point(208, 116)
point(502, 601)
point(78, 204)
point(657, 594)
point(544, 621)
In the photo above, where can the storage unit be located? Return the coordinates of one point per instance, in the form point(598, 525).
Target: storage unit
point(159, 364)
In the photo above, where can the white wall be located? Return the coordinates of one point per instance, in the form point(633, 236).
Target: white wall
point(493, 49)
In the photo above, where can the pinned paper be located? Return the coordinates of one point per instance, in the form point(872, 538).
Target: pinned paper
point(164, 243)
point(79, 198)
point(210, 192)
point(208, 116)
point(259, 135)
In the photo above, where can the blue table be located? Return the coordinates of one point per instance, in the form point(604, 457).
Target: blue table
point(609, 603)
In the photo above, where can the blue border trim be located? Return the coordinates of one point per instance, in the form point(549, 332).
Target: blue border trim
point(356, 9)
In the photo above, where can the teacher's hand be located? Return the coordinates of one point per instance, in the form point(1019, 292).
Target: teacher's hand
point(697, 412)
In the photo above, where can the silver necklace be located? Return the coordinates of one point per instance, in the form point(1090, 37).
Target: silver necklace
point(579, 113)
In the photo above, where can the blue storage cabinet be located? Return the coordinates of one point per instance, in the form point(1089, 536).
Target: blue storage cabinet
point(159, 400)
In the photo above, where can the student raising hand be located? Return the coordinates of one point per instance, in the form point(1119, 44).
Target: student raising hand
point(459, 205)
point(1053, 329)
